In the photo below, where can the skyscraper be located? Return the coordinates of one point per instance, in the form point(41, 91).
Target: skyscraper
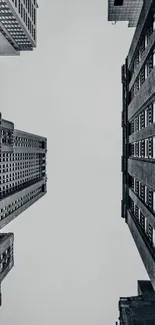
point(22, 170)
point(125, 10)
point(17, 26)
point(6, 257)
point(138, 125)
point(138, 310)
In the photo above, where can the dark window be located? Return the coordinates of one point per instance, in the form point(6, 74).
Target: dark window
point(142, 221)
point(118, 3)
point(150, 147)
point(150, 232)
point(136, 212)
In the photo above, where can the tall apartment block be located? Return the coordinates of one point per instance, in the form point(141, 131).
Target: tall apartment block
point(17, 26)
point(6, 257)
point(138, 310)
point(138, 126)
point(125, 10)
point(22, 170)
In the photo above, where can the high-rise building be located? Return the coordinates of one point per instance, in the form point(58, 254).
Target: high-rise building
point(6, 257)
point(138, 125)
point(22, 170)
point(17, 26)
point(124, 10)
point(138, 310)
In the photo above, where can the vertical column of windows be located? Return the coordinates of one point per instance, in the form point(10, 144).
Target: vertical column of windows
point(150, 63)
point(142, 220)
point(142, 76)
point(146, 148)
point(137, 187)
point(150, 114)
point(140, 148)
point(132, 205)
point(150, 147)
point(136, 212)
point(143, 148)
point(146, 117)
point(142, 46)
point(143, 120)
point(150, 199)
point(149, 232)
point(146, 70)
point(142, 192)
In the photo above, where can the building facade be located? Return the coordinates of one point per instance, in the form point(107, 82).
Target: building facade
point(138, 134)
point(22, 171)
point(17, 26)
point(125, 10)
point(138, 310)
point(6, 257)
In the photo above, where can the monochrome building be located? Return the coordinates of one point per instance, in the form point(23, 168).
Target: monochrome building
point(138, 129)
point(6, 257)
point(125, 10)
point(22, 170)
point(138, 310)
point(17, 26)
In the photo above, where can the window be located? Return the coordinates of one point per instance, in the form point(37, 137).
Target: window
point(140, 154)
point(146, 70)
point(149, 231)
point(154, 23)
point(146, 40)
point(153, 57)
point(134, 187)
point(146, 148)
point(154, 112)
point(150, 147)
point(143, 120)
point(136, 212)
point(146, 117)
point(19, 6)
point(139, 122)
point(142, 221)
point(143, 148)
point(153, 147)
point(153, 201)
point(153, 237)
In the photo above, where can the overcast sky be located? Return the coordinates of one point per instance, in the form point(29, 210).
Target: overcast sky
point(74, 255)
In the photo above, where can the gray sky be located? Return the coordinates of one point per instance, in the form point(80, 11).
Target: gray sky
point(74, 255)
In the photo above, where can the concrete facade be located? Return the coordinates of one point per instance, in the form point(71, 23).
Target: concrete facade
point(22, 171)
point(125, 10)
point(138, 138)
point(6, 257)
point(17, 26)
point(138, 310)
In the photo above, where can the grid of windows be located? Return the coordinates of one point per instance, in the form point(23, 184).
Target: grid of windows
point(148, 64)
point(143, 119)
point(143, 148)
point(147, 229)
point(143, 44)
point(144, 193)
point(20, 169)
point(21, 201)
point(27, 142)
point(5, 258)
point(27, 11)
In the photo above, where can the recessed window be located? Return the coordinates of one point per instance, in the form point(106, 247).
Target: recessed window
point(154, 147)
point(118, 3)
point(154, 112)
point(146, 40)
point(146, 117)
point(146, 70)
point(153, 57)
